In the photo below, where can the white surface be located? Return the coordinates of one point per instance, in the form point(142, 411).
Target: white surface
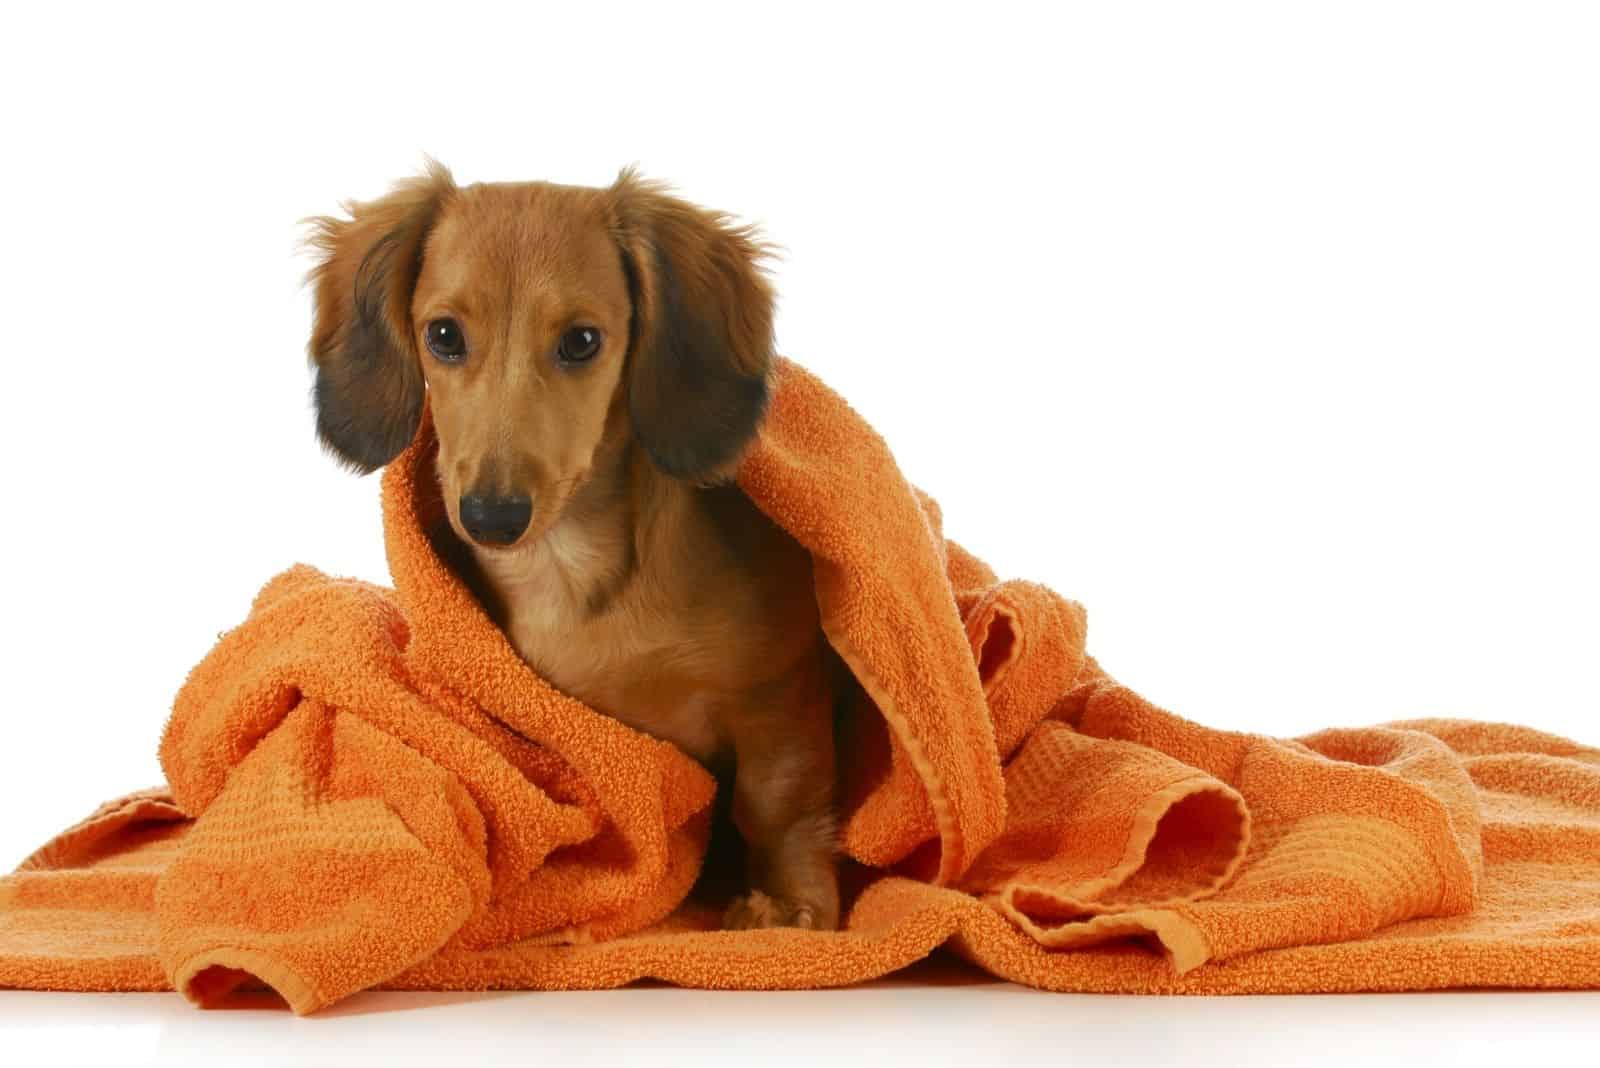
point(1271, 332)
point(897, 1021)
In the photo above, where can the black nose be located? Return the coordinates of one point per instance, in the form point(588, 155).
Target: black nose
point(495, 520)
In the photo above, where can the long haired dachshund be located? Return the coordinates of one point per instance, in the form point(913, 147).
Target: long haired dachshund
point(596, 361)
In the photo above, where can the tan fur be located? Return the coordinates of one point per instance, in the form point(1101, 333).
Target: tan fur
point(642, 585)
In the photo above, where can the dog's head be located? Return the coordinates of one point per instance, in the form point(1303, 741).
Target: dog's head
point(546, 324)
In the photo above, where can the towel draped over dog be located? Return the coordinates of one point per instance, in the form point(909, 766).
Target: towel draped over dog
point(368, 788)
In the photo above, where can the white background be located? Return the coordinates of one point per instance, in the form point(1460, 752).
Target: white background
point(1269, 331)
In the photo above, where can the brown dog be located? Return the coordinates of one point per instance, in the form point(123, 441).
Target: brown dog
point(596, 361)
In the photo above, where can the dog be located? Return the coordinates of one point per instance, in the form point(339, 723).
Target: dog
point(596, 361)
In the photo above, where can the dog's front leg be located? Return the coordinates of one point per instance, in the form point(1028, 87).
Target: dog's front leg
point(783, 805)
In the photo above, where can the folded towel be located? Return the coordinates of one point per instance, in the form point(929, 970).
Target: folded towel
point(367, 788)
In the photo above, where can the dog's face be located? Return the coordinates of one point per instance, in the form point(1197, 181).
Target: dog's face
point(545, 324)
point(521, 316)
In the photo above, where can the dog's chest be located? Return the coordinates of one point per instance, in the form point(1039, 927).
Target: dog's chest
point(632, 661)
point(645, 684)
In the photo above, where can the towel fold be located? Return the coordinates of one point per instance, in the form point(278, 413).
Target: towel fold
point(368, 788)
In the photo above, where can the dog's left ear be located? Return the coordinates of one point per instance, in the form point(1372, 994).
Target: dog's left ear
point(701, 347)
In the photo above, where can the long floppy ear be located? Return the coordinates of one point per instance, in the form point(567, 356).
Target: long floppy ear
point(701, 346)
point(369, 386)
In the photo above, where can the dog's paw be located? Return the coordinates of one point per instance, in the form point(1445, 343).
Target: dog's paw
point(757, 910)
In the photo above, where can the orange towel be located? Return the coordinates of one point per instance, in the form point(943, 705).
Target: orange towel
point(369, 789)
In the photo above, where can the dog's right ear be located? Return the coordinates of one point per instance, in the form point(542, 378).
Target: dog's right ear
point(369, 385)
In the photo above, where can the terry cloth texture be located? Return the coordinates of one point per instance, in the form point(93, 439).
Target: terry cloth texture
point(368, 788)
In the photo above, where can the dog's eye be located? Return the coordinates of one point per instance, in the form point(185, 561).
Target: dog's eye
point(578, 345)
point(445, 340)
